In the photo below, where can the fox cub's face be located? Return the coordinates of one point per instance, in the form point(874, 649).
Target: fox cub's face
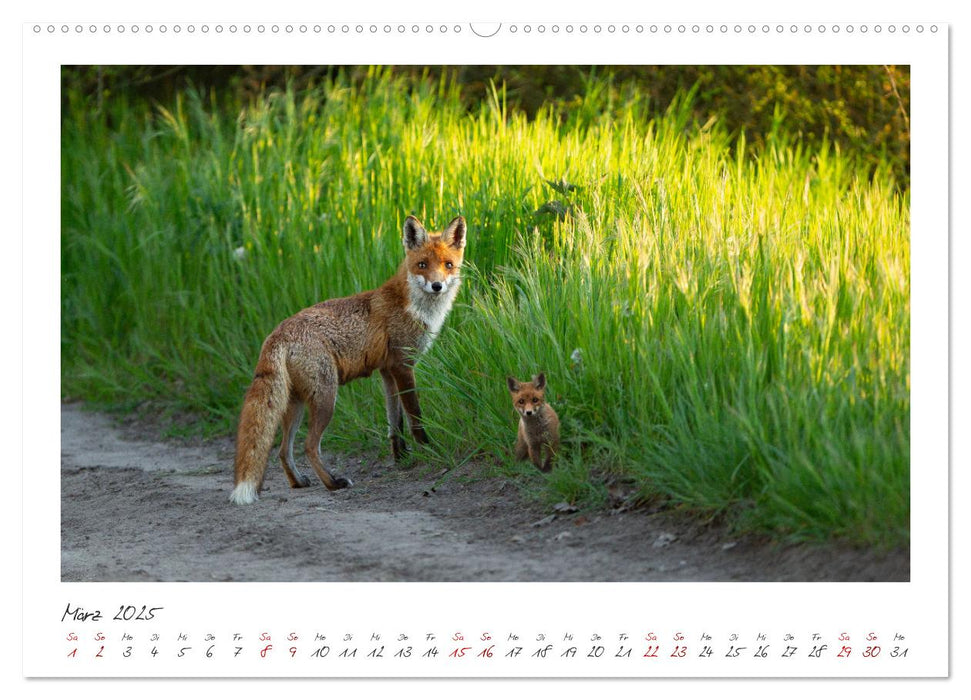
point(528, 397)
point(433, 259)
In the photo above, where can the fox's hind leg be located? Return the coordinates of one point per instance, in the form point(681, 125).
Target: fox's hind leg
point(321, 400)
point(396, 416)
point(291, 423)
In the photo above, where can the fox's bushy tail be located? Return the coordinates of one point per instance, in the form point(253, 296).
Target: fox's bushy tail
point(263, 409)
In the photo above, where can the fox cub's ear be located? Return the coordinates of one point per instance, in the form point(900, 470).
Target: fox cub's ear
point(454, 233)
point(415, 235)
point(540, 380)
point(512, 384)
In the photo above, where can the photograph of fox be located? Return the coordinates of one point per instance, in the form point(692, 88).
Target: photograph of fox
point(710, 265)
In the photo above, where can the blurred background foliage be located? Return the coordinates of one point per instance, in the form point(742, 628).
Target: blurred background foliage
point(711, 264)
point(863, 109)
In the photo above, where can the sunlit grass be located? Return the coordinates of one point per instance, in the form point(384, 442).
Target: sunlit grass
point(724, 326)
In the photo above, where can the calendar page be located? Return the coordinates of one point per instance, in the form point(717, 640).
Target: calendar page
point(448, 348)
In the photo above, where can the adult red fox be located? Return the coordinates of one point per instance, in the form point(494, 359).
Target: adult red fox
point(322, 347)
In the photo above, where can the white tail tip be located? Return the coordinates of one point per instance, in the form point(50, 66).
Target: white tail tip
point(244, 494)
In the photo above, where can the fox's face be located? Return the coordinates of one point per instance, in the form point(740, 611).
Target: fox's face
point(433, 260)
point(528, 398)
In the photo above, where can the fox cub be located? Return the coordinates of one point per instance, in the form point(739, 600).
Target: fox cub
point(312, 353)
point(538, 438)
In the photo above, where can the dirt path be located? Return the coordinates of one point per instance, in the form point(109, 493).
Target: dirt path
point(135, 509)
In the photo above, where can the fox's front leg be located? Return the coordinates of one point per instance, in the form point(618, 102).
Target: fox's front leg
point(396, 416)
point(522, 447)
point(550, 453)
point(541, 455)
point(536, 456)
point(404, 378)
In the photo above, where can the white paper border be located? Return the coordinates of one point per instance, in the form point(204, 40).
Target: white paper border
point(919, 607)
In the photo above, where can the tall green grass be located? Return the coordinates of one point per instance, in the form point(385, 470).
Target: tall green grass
point(724, 325)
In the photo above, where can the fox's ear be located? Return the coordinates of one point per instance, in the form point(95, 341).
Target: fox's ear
point(414, 234)
point(512, 383)
point(454, 233)
point(540, 380)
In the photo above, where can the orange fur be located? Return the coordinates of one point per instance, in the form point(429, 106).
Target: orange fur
point(309, 355)
point(538, 436)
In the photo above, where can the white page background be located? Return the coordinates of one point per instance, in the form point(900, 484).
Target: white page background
point(918, 608)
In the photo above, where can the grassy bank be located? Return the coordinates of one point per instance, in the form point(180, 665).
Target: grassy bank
point(724, 325)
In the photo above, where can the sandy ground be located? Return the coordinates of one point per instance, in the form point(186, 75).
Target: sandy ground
point(147, 509)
